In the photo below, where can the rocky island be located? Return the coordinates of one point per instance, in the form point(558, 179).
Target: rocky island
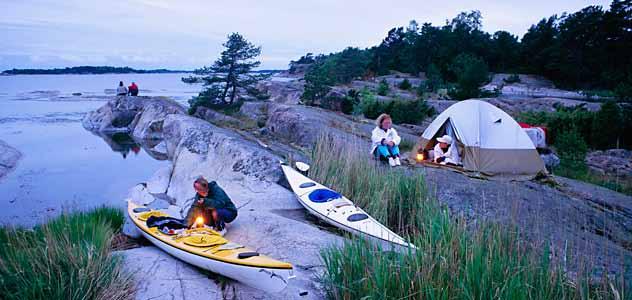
point(572, 216)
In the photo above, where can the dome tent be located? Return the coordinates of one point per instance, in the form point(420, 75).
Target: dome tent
point(488, 140)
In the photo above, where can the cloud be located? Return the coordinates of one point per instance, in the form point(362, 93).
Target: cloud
point(186, 34)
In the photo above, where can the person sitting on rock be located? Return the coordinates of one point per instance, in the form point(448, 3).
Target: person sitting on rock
point(212, 204)
point(445, 153)
point(133, 89)
point(121, 90)
point(385, 141)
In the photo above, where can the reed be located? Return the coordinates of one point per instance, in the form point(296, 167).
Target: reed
point(69, 257)
point(454, 260)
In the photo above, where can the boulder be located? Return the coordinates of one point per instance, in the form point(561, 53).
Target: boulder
point(550, 160)
point(149, 121)
point(159, 182)
point(613, 162)
point(396, 79)
point(255, 110)
point(141, 117)
point(286, 92)
point(9, 158)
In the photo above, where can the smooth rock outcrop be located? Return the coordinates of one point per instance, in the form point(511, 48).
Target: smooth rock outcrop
point(9, 158)
point(270, 219)
point(141, 117)
point(302, 125)
point(582, 222)
point(533, 86)
point(285, 92)
point(214, 116)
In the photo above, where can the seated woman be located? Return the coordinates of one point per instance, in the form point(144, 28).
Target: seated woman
point(445, 152)
point(121, 90)
point(385, 141)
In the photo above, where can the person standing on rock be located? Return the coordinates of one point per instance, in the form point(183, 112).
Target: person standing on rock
point(385, 141)
point(212, 204)
point(121, 90)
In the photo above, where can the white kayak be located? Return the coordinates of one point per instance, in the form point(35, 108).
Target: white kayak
point(208, 250)
point(339, 211)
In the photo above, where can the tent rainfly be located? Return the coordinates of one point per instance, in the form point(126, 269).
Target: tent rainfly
point(489, 141)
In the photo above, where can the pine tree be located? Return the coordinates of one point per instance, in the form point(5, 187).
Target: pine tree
point(231, 72)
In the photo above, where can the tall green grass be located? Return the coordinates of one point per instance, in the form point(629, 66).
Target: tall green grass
point(454, 260)
point(67, 258)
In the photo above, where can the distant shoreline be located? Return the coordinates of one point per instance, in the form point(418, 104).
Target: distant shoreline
point(89, 70)
point(102, 70)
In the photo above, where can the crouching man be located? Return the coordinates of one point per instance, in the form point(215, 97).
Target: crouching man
point(212, 204)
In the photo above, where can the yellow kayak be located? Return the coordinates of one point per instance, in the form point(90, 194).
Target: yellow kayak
point(208, 250)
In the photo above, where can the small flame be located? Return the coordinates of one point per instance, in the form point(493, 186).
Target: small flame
point(199, 221)
point(420, 157)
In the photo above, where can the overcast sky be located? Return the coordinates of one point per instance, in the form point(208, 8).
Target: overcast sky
point(186, 34)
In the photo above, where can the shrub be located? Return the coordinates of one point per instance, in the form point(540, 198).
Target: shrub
point(405, 85)
point(368, 105)
point(571, 147)
point(623, 90)
point(349, 102)
point(383, 88)
point(435, 79)
point(606, 127)
point(409, 112)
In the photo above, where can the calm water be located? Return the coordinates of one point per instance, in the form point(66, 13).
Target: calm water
point(65, 167)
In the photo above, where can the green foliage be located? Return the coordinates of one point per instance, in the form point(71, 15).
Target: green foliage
point(368, 105)
point(572, 151)
point(67, 258)
point(435, 79)
point(409, 112)
point(453, 261)
point(606, 127)
point(327, 71)
point(317, 85)
point(588, 49)
point(405, 85)
point(571, 147)
point(229, 74)
point(513, 78)
point(573, 131)
point(471, 72)
point(406, 145)
point(383, 88)
point(623, 90)
point(303, 60)
point(349, 102)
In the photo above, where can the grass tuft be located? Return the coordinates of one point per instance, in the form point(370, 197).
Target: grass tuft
point(67, 258)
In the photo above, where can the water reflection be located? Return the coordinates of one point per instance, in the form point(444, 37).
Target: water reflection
point(124, 144)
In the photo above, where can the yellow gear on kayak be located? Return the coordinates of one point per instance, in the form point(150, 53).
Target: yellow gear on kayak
point(144, 216)
point(204, 240)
